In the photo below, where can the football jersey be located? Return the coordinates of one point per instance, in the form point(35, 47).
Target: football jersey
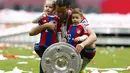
point(48, 37)
point(75, 31)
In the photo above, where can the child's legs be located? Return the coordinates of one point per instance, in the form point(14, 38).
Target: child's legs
point(39, 50)
point(87, 55)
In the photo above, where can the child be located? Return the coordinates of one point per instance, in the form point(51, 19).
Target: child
point(76, 34)
point(48, 36)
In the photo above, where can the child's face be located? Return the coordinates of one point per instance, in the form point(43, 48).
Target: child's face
point(48, 8)
point(76, 18)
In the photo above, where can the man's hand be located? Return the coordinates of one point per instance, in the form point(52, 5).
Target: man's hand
point(52, 25)
point(79, 48)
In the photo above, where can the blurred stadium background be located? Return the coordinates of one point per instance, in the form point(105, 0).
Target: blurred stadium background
point(110, 19)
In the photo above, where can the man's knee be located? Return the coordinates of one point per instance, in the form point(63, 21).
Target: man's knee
point(88, 53)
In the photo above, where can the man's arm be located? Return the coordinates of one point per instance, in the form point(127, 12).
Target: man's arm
point(38, 29)
point(91, 39)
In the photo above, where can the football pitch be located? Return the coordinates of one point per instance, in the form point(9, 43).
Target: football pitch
point(23, 60)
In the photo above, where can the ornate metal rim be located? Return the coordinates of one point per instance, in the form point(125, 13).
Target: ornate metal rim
point(61, 58)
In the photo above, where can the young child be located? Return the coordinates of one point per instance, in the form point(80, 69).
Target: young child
point(48, 36)
point(76, 34)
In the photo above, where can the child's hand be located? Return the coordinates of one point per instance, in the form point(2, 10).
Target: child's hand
point(76, 39)
point(79, 48)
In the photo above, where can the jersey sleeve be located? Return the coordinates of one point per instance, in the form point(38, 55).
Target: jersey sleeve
point(84, 21)
point(84, 30)
point(43, 20)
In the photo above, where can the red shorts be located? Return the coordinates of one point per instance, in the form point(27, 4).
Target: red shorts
point(88, 53)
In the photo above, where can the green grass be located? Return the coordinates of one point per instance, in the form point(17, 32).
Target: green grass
point(111, 58)
point(8, 65)
point(105, 58)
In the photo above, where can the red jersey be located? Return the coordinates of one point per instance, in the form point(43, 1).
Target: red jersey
point(75, 31)
point(49, 37)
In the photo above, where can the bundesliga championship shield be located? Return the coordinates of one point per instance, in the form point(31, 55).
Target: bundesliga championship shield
point(61, 58)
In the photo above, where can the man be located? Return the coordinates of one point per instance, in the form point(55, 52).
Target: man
point(64, 11)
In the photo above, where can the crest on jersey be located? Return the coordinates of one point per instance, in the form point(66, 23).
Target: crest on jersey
point(61, 58)
point(44, 21)
point(46, 30)
point(78, 31)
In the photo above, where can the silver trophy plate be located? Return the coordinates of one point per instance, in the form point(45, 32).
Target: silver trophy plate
point(61, 58)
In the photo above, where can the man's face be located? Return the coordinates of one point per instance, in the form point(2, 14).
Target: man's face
point(62, 11)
